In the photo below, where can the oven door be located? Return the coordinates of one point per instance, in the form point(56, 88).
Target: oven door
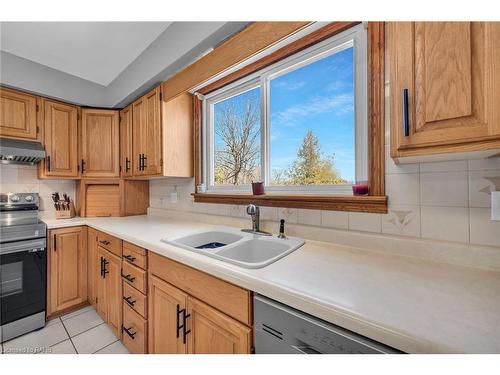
point(22, 279)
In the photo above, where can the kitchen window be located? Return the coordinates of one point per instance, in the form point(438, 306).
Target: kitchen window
point(306, 120)
point(299, 125)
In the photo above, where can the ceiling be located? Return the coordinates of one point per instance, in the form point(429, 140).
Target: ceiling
point(94, 51)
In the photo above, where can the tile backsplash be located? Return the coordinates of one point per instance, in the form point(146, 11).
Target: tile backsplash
point(23, 179)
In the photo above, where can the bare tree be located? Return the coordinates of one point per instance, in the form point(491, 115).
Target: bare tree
point(238, 129)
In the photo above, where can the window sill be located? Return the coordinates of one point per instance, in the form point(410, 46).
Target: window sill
point(366, 203)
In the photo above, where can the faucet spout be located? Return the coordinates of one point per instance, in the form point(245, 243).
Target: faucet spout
point(254, 213)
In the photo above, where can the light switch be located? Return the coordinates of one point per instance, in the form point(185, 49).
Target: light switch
point(495, 205)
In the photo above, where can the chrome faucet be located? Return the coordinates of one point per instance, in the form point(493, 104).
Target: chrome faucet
point(254, 213)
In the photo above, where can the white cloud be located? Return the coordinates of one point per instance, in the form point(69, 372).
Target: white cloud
point(342, 103)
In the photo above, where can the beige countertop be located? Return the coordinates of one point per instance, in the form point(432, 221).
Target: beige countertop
point(414, 305)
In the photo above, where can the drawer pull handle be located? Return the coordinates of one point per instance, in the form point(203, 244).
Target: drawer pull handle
point(130, 258)
point(129, 278)
point(179, 327)
point(104, 242)
point(131, 302)
point(128, 332)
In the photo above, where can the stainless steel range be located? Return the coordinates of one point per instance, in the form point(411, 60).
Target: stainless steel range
point(23, 264)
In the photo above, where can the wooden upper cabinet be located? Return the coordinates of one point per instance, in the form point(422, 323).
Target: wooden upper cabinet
point(450, 72)
point(18, 115)
point(100, 143)
point(147, 140)
point(166, 303)
point(177, 119)
point(67, 275)
point(126, 142)
point(212, 332)
point(60, 139)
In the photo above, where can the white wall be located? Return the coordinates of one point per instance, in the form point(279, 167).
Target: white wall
point(23, 179)
point(444, 201)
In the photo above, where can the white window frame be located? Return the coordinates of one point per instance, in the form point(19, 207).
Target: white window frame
point(356, 37)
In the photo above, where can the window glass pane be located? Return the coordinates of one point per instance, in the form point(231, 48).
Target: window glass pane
point(312, 123)
point(237, 139)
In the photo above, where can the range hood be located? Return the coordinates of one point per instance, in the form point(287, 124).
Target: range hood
point(14, 151)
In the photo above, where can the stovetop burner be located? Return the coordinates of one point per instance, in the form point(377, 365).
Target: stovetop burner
point(19, 217)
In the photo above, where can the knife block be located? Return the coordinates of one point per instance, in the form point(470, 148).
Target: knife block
point(66, 214)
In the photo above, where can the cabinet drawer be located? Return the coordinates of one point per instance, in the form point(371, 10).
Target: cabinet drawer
point(135, 255)
point(134, 331)
point(110, 243)
point(135, 299)
point(228, 298)
point(134, 276)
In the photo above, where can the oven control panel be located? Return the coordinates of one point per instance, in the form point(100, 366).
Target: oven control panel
point(18, 199)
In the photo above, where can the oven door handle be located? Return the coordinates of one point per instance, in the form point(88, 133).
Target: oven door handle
point(23, 246)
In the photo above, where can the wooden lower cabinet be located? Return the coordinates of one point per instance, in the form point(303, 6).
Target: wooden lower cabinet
point(179, 323)
point(212, 332)
point(134, 331)
point(109, 289)
point(67, 269)
point(165, 304)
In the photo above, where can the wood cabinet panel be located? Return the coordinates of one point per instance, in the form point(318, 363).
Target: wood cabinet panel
point(18, 115)
point(60, 139)
point(100, 143)
point(109, 289)
point(135, 277)
point(114, 292)
point(93, 266)
point(447, 69)
point(146, 130)
point(135, 255)
point(126, 142)
point(177, 126)
point(212, 332)
point(67, 269)
point(165, 302)
point(134, 331)
point(110, 243)
point(231, 299)
point(135, 299)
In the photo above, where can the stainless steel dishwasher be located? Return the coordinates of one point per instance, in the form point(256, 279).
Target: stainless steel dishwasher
point(280, 329)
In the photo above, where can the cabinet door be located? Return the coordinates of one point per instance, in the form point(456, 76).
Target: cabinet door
point(165, 304)
point(152, 134)
point(447, 69)
point(100, 143)
point(101, 286)
point(213, 332)
point(18, 117)
point(147, 142)
point(113, 281)
point(67, 268)
point(61, 140)
point(138, 120)
point(126, 142)
point(93, 266)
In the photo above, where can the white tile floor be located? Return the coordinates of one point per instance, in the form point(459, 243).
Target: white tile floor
point(82, 332)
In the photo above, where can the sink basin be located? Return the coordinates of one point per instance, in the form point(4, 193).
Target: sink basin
point(206, 240)
point(233, 246)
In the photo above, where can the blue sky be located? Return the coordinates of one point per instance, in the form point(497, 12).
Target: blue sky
point(319, 97)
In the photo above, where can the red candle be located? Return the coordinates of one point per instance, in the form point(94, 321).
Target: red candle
point(258, 188)
point(360, 189)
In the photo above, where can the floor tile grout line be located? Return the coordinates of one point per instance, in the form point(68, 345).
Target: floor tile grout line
point(78, 334)
point(105, 346)
point(80, 312)
point(71, 341)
